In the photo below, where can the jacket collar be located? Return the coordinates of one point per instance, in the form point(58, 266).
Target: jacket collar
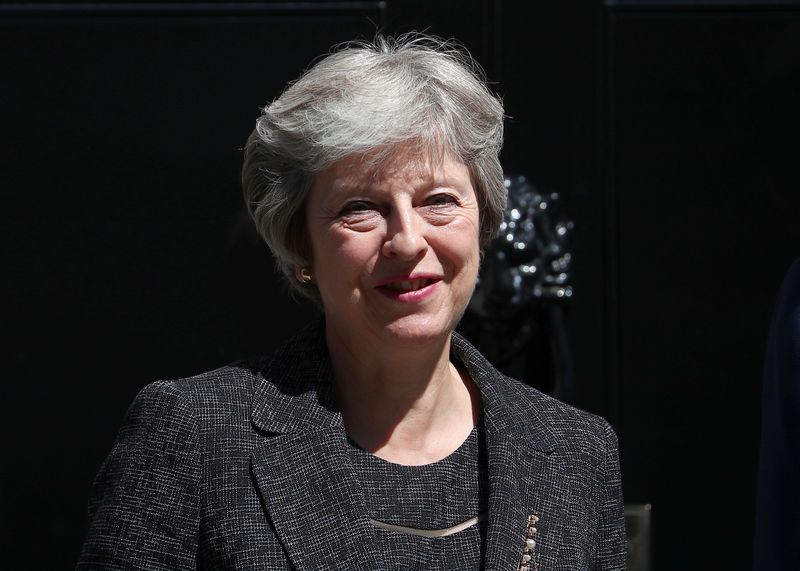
point(295, 393)
point(506, 408)
point(313, 496)
point(522, 467)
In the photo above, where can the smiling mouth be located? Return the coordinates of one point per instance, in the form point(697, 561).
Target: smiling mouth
point(408, 285)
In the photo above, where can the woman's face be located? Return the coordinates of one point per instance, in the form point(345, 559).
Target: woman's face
point(395, 249)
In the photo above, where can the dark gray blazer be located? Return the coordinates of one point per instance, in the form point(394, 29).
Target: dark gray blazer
point(247, 468)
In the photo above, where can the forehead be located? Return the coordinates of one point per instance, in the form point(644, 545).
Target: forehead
point(403, 165)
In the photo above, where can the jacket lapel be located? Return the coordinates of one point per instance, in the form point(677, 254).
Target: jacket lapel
point(505, 538)
point(307, 484)
point(313, 500)
point(524, 468)
point(527, 485)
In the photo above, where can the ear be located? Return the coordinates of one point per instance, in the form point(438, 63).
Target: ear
point(303, 274)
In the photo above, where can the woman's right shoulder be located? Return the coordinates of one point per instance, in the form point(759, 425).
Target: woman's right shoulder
point(225, 392)
point(226, 381)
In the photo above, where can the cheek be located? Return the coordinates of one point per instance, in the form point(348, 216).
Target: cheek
point(460, 242)
point(346, 253)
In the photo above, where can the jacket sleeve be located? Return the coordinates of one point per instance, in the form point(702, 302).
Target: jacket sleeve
point(144, 505)
point(613, 541)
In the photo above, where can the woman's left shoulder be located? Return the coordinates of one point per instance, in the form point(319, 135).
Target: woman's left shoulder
point(561, 417)
point(553, 408)
point(522, 402)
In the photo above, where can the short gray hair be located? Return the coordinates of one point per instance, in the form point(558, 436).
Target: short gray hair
point(366, 97)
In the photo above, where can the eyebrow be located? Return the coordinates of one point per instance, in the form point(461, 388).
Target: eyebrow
point(367, 186)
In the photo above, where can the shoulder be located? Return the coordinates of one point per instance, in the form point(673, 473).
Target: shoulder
point(171, 416)
point(557, 413)
point(237, 381)
point(572, 426)
point(558, 424)
point(289, 388)
point(185, 416)
point(571, 429)
point(230, 384)
point(174, 435)
point(226, 388)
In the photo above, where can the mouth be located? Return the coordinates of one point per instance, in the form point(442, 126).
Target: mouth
point(411, 289)
point(408, 285)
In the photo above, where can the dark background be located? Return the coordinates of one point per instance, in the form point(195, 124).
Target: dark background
point(670, 129)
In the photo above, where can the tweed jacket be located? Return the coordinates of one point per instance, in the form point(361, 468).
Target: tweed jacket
point(246, 467)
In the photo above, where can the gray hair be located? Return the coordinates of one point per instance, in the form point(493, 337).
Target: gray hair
point(362, 98)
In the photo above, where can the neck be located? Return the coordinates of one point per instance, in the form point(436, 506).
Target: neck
point(406, 404)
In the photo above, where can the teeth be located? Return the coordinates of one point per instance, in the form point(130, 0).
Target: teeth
point(407, 285)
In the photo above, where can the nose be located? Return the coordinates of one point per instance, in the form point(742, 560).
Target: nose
point(405, 239)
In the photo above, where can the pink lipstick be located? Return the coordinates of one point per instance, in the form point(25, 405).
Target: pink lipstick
point(409, 288)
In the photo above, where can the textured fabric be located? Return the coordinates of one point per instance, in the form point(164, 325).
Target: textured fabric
point(777, 541)
point(247, 467)
point(433, 496)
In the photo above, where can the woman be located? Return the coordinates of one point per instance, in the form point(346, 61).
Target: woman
point(377, 438)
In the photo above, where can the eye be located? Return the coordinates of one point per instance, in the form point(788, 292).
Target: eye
point(442, 199)
point(356, 206)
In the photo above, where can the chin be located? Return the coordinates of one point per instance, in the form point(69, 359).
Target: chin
point(419, 330)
